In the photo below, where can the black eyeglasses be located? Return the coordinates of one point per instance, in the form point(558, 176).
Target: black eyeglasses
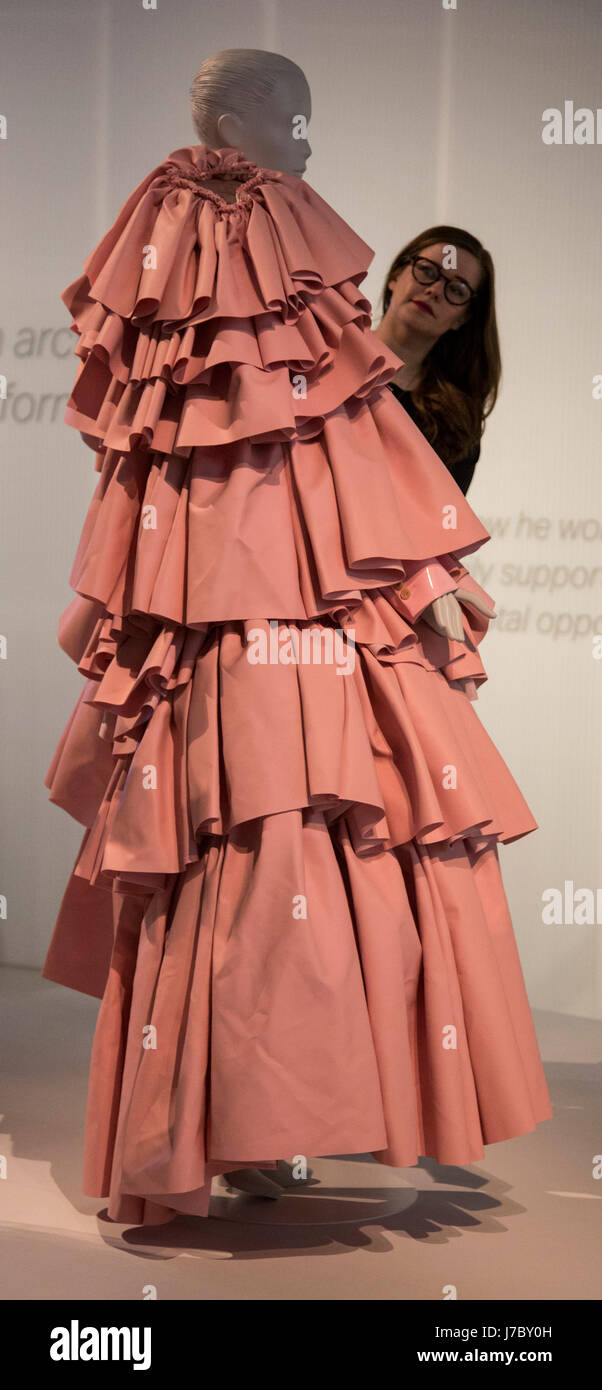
point(426, 272)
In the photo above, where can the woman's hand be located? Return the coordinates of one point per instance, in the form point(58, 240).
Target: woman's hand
point(444, 614)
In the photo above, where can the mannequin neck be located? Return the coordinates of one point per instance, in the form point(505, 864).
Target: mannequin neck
point(225, 188)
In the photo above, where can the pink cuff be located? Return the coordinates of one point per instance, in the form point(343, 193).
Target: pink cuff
point(424, 581)
point(476, 622)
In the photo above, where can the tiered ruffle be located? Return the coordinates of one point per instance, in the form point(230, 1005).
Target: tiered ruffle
point(261, 496)
point(244, 719)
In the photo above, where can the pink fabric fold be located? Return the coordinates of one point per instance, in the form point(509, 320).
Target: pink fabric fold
point(287, 895)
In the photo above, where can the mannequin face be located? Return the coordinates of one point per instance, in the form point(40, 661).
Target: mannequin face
point(266, 133)
point(424, 308)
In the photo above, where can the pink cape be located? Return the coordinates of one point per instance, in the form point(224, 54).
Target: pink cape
point(288, 895)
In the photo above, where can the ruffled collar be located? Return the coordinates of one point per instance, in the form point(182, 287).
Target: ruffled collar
point(194, 166)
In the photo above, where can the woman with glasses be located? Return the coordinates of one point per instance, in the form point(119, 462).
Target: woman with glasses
point(439, 318)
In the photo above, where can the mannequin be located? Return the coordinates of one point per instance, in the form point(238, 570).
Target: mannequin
point(263, 96)
point(263, 129)
point(288, 895)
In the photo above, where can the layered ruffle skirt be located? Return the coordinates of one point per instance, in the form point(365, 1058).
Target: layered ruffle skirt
point(288, 895)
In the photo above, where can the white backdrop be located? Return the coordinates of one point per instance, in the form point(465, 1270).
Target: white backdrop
point(421, 114)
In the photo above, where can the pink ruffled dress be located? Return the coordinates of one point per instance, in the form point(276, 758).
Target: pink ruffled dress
point(288, 894)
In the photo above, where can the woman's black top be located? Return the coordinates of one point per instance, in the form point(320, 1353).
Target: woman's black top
point(463, 469)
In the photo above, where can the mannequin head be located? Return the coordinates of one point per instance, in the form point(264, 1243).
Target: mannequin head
point(257, 102)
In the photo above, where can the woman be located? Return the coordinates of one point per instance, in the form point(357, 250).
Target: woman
point(439, 317)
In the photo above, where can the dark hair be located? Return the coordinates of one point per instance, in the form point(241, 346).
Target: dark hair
point(461, 373)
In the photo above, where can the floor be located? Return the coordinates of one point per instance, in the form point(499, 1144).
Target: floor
point(523, 1223)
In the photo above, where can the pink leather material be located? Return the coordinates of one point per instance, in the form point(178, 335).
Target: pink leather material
point(425, 582)
point(288, 892)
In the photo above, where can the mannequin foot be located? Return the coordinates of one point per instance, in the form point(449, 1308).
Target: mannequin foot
point(252, 1181)
point(284, 1174)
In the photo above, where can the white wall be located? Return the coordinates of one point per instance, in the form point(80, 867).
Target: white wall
point(420, 114)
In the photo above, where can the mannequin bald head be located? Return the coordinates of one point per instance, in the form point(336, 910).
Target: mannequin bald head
point(258, 102)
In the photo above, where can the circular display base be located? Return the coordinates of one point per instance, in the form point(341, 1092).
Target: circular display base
point(339, 1191)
